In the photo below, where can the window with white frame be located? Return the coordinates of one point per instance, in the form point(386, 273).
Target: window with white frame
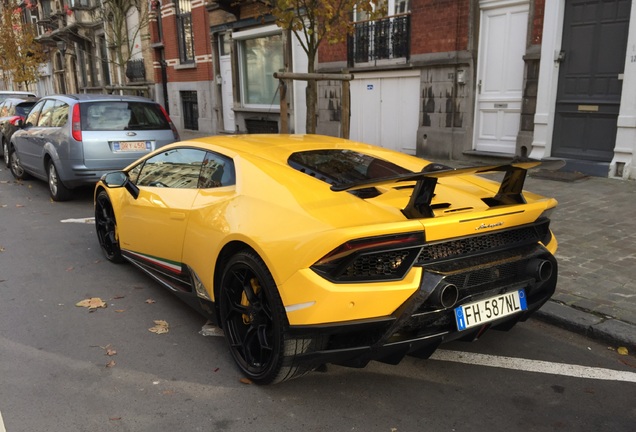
point(260, 53)
point(393, 7)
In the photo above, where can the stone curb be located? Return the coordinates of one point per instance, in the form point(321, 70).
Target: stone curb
point(608, 330)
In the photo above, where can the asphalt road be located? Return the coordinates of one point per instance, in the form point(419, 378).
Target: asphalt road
point(56, 374)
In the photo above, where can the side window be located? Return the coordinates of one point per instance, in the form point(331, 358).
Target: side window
point(47, 114)
point(3, 109)
point(216, 171)
point(32, 119)
point(176, 168)
point(60, 114)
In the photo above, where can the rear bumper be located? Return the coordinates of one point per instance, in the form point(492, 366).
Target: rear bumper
point(76, 175)
point(420, 325)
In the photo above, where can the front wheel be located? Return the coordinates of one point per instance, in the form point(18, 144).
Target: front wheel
point(57, 190)
point(106, 228)
point(254, 322)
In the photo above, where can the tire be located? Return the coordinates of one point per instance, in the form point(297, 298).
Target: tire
point(57, 190)
point(254, 322)
point(106, 227)
point(15, 167)
point(5, 152)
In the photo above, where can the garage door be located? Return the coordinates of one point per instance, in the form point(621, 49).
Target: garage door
point(385, 110)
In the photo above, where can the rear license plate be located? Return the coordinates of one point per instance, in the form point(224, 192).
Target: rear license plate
point(131, 146)
point(483, 311)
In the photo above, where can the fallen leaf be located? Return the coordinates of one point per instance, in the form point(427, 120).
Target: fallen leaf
point(622, 351)
point(160, 327)
point(110, 364)
point(114, 418)
point(120, 310)
point(71, 268)
point(111, 352)
point(19, 205)
point(117, 297)
point(2, 249)
point(91, 303)
point(150, 301)
point(245, 381)
point(167, 392)
point(217, 369)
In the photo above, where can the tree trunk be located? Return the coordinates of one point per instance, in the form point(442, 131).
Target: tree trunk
point(311, 94)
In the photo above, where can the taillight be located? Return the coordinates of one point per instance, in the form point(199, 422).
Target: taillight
point(76, 125)
point(14, 120)
point(371, 259)
point(172, 126)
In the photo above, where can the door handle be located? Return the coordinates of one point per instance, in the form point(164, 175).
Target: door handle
point(479, 87)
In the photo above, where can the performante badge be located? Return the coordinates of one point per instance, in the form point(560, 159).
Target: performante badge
point(486, 226)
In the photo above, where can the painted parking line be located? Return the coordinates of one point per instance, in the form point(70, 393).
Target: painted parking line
point(2, 429)
point(534, 366)
point(88, 220)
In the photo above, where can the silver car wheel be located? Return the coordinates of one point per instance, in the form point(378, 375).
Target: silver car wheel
point(53, 179)
point(16, 168)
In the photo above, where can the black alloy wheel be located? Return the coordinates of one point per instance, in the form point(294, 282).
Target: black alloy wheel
point(106, 228)
point(255, 323)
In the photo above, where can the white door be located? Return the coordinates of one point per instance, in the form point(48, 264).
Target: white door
point(385, 111)
point(227, 96)
point(365, 111)
point(502, 44)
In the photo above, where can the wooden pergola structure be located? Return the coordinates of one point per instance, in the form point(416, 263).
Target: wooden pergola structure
point(345, 119)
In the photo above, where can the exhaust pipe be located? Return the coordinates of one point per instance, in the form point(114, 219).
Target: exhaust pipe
point(540, 269)
point(446, 295)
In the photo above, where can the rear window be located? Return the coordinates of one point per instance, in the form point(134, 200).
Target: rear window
point(343, 166)
point(24, 108)
point(117, 115)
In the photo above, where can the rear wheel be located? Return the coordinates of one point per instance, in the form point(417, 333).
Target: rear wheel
point(58, 191)
point(15, 167)
point(254, 322)
point(106, 228)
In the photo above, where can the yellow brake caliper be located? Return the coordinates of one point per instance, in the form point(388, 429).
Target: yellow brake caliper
point(245, 302)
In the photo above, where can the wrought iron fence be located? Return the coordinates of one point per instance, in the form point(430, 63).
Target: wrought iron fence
point(386, 38)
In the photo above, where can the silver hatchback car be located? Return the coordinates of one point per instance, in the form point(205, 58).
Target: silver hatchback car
point(72, 140)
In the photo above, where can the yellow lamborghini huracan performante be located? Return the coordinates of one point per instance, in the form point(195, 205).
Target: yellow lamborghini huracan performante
point(309, 250)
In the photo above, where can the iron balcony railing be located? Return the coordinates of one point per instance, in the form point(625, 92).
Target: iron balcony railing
point(384, 39)
point(135, 70)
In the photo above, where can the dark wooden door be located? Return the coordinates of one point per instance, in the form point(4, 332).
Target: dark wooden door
point(590, 78)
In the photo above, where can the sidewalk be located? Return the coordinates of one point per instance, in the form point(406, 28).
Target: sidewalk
point(595, 225)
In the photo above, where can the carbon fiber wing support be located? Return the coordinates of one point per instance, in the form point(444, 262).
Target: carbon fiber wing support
point(419, 205)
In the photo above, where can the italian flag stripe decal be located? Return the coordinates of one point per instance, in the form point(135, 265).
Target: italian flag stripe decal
point(173, 266)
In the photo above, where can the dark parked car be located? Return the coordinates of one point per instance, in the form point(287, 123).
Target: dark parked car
point(5, 94)
point(11, 111)
point(72, 140)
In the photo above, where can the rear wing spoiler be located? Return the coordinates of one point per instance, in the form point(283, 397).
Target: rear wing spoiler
point(419, 205)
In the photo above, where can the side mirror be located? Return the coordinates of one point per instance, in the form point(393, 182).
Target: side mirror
point(117, 179)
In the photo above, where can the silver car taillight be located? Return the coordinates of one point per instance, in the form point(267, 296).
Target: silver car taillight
point(76, 123)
